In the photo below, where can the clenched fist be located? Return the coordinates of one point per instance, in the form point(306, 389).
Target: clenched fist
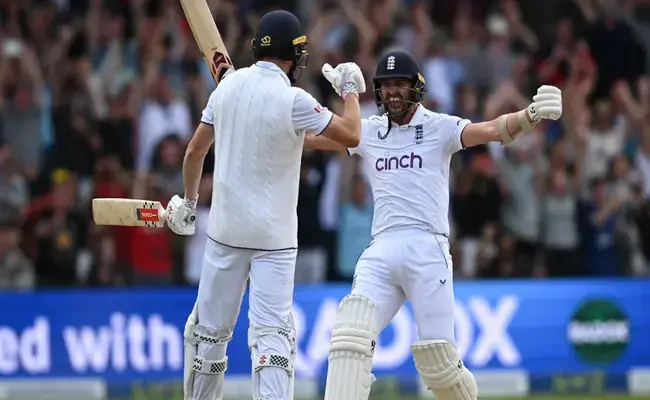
point(345, 78)
point(548, 102)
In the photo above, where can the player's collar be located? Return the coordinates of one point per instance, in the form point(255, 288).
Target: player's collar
point(420, 115)
point(272, 67)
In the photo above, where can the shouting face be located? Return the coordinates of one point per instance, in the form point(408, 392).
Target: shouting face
point(396, 94)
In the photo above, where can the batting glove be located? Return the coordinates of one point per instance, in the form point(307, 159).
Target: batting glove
point(548, 102)
point(181, 214)
point(346, 78)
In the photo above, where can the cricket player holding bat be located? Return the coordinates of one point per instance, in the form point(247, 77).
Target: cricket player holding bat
point(407, 152)
point(257, 121)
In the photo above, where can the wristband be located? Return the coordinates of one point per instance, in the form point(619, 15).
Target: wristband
point(526, 119)
point(349, 87)
point(190, 203)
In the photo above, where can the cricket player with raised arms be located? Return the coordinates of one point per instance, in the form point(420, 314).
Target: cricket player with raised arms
point(257, 121)
point(407, 153)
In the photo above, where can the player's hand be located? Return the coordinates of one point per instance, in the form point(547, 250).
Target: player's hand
point(547, 103)
point(181, 214)
point(345, 78)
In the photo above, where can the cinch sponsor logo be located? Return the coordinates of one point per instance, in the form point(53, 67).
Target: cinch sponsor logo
point(404, 162)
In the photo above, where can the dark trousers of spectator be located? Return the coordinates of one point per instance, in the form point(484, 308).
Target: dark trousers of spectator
point(562, 262)
point(525, 258)
point(330, 243)
point(144, 279)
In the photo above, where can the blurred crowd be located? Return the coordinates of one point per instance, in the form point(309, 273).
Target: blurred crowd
point(99, 97)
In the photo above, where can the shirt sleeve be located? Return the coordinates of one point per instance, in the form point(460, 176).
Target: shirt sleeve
point(207, 116)
point(453, 127)
point(308, 115)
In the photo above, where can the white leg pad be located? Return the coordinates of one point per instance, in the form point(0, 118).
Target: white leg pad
point(349, 375)
point(275, 359)
point(442, 370)
point(205, 360)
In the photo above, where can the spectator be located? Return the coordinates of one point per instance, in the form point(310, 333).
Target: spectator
point(117, 132)
point(489, 253)
point(16, 271)
point(14, 194)
point(554, 59)
point(329, 206)
point(560, 234)
point(498, 51)
point(21, 85)
point(166, 166)
point(150, 250)
point(311, 262)
point(615, 49)
point(600, 223)
point(354, 236)
point(60, 232)
point(521, 175)
point(605, 140)
point(443, 75)
point(643, 225)
point(465, 49)
point(642, 162)
point(476, 205)
point(161, 115)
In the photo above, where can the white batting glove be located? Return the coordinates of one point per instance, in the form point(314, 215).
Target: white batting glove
point(181, 214)
point(345, 78)
point(548, 102)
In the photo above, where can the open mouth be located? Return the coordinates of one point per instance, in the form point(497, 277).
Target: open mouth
point(395, 103)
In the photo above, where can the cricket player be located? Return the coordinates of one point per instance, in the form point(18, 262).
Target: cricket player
point(407, 152)
point(257, 121)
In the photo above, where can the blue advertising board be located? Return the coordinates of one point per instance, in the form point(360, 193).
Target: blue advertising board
point(543, 327)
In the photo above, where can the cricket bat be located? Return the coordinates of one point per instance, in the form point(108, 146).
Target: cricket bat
point(128, 212)
point(207, 37)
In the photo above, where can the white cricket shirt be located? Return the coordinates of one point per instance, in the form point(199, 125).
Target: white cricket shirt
point(408, 170)
point(259, 123)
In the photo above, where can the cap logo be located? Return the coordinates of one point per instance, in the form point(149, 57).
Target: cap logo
point(390, 63)
point(266, 41)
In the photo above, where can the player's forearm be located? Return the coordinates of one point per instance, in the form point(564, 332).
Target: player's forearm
point(493, 131)
point(322, 143)
point(192, 168)
point(196, 151)
point(352, 118)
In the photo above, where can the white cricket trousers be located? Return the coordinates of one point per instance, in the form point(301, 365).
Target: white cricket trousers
point(411, 264)
point(224, 275)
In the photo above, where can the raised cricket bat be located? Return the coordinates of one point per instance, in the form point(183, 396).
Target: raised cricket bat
point(128, 212)
point(207, 37)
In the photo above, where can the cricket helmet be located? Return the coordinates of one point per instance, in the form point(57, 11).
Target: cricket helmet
point(398, 64)
point(280, 35)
